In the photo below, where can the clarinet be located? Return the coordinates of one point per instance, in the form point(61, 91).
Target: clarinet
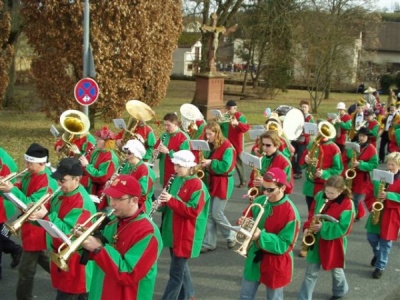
point(115, 175)
point(157, 151)
point(157, 203)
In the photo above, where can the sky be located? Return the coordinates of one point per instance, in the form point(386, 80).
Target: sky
point(387, 3)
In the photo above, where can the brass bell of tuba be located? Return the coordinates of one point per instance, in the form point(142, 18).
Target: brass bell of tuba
point(189, 115)
point(325, 131)
point(74, 122)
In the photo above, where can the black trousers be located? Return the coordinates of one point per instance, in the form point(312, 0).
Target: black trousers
point(6, 245)
point(383, 145)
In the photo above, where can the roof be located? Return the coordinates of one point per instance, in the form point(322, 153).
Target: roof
point(389, 36)
point(188, 39)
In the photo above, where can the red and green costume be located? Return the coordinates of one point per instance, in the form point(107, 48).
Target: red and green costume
point(102, 165)
point(373, 127)
point(235, 133)
point(31, 188)
point(147, 133)
point(304, 138)
point(176, 141)
point(330, 245)
point(279, 225)
point(219, 174)
point(146, 177)
point(66, 211)
point(285, 147)
point(329, 160)
point(276, 160)
point(127, 268)
point(185, 216)
point(7, 166)
point(342, 129)
point(389, 222)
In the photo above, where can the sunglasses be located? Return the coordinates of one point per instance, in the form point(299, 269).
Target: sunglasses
point(267, 145)
point(270, 190)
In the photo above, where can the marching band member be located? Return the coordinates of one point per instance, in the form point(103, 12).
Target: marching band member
point(357, 118)
point(394, 133)
point(102, 165)
point(34, 184)
point(272, 158)
point(363, 163)
point(185, 208)
point(387, 126)
point(381, 235)
point(372, 125)
point(329, 163)
point(218, 166)
point(369, 97)
point(170, 141)
point(68, 208)
point(300, 145)
point(342, 126)
point(7, 209)
point(330, 243)
point(145, 175)
point(234, 132)
point(144, 131)
point(269, 259)
point(126, 257)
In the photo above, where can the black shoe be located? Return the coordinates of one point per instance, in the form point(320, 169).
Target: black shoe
point(16, 258)
point(336, 297)
point(373, 261)
point(377, 274)
point(381, 161)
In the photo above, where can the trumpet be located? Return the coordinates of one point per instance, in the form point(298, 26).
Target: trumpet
point(15, 226)
point(378, 206)
point(12, 176)
point(362, 124)
point(248, 228)
point(64, 252)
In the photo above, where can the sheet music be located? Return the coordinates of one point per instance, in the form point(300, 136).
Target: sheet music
point(310, 128)
point(54, 131)
point(216, 113)
point(94, 198)
point(54, 231)
point(17, 202)
point(258, 127)
point(199, 145)
point(251, 160)
point(380, 175)
point(119, 123)
point(332, 116)
point(353, 146)
point(255, 133)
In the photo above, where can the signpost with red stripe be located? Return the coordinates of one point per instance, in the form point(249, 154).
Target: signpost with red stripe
point(86, 91)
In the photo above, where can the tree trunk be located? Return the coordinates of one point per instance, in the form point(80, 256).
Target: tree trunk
point(244, 86)
point(9, 98)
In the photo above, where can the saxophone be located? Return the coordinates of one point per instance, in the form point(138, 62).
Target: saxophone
point(309, 236)
point(351, 172)
point(377, 206)
point(157, 203)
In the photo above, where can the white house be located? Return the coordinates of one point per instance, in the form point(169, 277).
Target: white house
point(187, 55)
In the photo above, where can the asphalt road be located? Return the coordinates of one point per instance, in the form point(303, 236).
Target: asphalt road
point(217, 274)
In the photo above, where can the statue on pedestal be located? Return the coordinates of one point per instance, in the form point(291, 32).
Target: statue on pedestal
point(213, 40)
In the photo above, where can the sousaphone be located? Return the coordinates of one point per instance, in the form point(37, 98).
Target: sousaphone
point(189, 114)
point(293, 124)
point(139, 111)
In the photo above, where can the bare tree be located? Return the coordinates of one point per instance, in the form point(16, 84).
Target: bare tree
point(327, 38)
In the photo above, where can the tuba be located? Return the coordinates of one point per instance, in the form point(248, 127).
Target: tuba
point(325, 130)
point(15, 226)
point(74, 122)
point(65, 251)
point(378, 206)
point(189, 115)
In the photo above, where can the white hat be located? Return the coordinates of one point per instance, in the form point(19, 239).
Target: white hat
point(341, 105)
point(184, 158)
point(369, 90)
point(135, 147)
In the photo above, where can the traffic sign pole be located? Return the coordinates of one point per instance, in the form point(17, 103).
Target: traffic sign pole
point(86, 18)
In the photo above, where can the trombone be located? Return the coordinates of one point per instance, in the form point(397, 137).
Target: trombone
point(65, 251)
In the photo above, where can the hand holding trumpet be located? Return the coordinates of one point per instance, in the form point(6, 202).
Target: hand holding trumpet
point(5, 185)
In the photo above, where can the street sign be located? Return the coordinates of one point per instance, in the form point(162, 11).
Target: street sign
point(86, 91)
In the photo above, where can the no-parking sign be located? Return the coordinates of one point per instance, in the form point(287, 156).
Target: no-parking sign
point(86, 91)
